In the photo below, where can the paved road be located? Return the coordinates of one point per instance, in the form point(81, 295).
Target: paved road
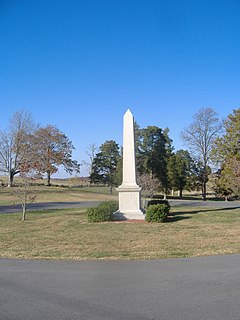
point(206, 288)
point(49, 205)
point(85, 204)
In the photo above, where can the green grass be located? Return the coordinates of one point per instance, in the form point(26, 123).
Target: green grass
point(65, 234)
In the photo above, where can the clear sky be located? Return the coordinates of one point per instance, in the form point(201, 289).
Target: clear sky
point(80, 64)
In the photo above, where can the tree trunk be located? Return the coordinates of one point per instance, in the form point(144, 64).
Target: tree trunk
point(165, 196)
point(24, 212)
point(172, 193)
point(180, 193)
point(111, 189)
point(10, 178)
point(48, 178)
point(204, 190)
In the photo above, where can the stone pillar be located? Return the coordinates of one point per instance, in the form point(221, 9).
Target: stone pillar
point(129, 192)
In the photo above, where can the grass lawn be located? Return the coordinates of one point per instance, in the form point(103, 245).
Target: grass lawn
point(65, 234)
point(57, 194)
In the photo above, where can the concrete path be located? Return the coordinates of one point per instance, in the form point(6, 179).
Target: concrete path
point(205, 288)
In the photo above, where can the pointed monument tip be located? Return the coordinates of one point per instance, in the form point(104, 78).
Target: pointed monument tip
point(128, 112)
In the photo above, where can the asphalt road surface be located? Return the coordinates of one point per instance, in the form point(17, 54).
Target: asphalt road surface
point(85, 204)
point(205, 288)
point(48, 205)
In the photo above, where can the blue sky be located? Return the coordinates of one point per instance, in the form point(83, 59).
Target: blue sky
point(81, 64)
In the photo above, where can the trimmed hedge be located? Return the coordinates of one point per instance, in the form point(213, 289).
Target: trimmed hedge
point(157, 213)
point(103, 212)
point(159, 201)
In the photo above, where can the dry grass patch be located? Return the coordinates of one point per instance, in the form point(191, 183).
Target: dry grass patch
point(65, 234)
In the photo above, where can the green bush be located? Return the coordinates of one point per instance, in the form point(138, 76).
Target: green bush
point(103, 212)
point(159, 201)
point(157, 213)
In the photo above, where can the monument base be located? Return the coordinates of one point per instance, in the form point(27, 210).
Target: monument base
point(129, 203)
point(118, 216)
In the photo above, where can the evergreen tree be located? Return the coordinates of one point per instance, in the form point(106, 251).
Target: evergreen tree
point(154, 148)
point(106, 164)
point(180, 170)
point(228, 146)
point(226, 153)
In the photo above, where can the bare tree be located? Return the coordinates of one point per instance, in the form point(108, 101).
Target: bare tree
point(23, 190)
point(15, 144)
point(91, 152)
point(199, 137)
point(149, 184)
point(24, 193)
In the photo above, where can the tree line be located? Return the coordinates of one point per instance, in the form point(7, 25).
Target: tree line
point(212, 154)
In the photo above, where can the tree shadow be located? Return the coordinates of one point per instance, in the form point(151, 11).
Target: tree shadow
point(180, 215)
point(169, 197)
point(176, 218)
point(195, 197)
point(184, 198)
point(204, 209)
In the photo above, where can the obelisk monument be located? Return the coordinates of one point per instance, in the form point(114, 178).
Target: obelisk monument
point(129, 192)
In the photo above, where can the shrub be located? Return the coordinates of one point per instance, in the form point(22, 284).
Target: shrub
point(157, 213)
point(159, 201)
point(103, 212)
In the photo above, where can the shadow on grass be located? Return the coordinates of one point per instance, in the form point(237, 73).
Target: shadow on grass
point(204, 210)
point(176, 218)
point(179, 215)
point(194, 197)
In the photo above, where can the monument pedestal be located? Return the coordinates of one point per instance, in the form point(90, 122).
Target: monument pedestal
point(129, 203)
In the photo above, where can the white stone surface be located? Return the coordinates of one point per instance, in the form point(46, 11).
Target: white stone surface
point(129, 163)
point(129, 191)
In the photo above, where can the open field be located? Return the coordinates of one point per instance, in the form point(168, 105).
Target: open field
point(69, 190)
point(65, 234)
point(58, 194)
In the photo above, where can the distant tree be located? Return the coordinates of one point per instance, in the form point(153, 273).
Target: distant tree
point(53, 149)
point(221, 184)
point(180, 170)
point(228, 145)
point(16, 145)
point(91, 152)
point(169, 142)
point(138, 136)
point(231, 174)
point(152, 154)
point(105, 164)
point(226, 153)
point(200, 176)
point(149, 184)
point(199, 137)
point(118, 176)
